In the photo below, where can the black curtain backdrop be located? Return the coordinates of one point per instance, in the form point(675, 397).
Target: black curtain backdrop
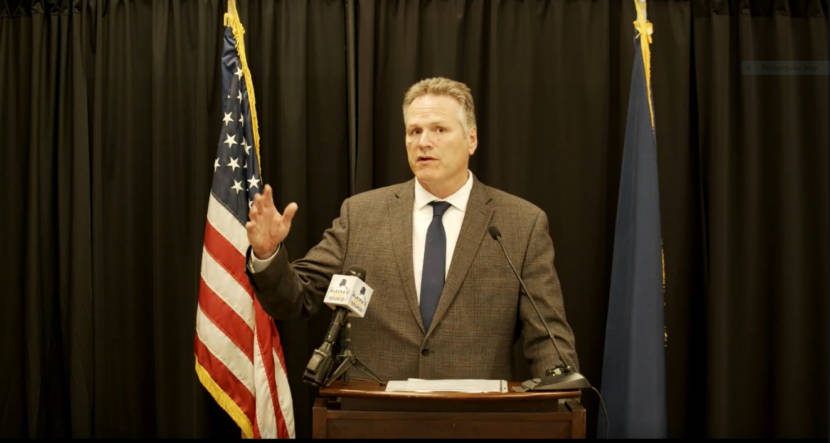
point(108, 129)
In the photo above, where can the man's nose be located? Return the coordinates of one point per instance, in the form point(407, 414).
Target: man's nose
point(425, 139)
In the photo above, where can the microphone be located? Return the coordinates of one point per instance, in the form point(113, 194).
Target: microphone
point(561, 377)
point(347, 295)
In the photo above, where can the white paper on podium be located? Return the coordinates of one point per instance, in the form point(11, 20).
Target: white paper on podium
point(446, 385)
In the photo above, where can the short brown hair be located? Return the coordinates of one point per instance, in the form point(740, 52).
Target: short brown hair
point(447, 87)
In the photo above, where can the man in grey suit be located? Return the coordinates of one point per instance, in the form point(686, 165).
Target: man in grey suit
point(446, 303)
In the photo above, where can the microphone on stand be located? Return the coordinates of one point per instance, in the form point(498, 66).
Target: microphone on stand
point(349, 296)
point(345, 297)
point(561, 377)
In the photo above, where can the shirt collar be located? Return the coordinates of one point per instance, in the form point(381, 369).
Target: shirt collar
point(458, 199)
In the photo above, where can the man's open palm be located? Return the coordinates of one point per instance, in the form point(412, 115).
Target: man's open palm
point(266, 227)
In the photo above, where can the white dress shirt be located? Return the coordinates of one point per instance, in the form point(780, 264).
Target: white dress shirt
point(422, 217)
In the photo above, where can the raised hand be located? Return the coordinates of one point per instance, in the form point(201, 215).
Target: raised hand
point(266, 227)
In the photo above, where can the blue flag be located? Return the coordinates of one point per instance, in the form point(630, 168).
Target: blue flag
point(633, 367)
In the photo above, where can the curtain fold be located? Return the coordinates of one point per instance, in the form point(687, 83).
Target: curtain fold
point(48, 230)
point(763, 136)
point(110, 125)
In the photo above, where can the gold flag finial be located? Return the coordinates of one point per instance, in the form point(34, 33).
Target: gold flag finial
point(645, 29)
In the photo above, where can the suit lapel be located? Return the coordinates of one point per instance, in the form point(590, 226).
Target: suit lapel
point(400, 235)
point(476, 220)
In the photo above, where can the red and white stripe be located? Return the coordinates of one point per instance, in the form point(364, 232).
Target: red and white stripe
point(239, 356)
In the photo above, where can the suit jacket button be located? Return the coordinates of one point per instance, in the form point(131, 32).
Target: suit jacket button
point(424, 352)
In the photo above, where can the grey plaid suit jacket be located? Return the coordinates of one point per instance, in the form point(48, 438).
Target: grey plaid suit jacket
point(481, 311)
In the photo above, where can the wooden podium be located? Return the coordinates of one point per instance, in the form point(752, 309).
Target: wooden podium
point(363, 409)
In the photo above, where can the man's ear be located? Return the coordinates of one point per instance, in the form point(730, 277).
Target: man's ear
point(472, 139)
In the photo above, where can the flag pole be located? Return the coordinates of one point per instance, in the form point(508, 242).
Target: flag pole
point(232, 20)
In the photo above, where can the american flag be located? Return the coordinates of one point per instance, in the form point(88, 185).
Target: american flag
point(239, 358)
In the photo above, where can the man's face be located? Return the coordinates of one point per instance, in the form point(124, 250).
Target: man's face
point(437, 146)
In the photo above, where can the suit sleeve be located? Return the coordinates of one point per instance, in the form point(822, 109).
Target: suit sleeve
point(542, 281)
point(296, 289)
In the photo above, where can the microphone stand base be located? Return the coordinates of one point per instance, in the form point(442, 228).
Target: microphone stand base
point(349, 359)
point(561, 382)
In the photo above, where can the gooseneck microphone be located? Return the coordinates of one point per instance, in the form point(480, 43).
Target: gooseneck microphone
point(322, 359)
point(561, 377)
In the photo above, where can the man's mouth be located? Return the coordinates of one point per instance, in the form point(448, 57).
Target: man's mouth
point(425, 159)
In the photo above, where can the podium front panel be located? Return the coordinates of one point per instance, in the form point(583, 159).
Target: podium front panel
point(364, 410)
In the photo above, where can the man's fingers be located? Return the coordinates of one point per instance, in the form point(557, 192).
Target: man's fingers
point(289, 212)
point(264, 203)
point(268, 199)
point(257, 202)
point(268, 193)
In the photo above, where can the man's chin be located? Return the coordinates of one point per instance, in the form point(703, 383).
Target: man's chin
point(424, 177)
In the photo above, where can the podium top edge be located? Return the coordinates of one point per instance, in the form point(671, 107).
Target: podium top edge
point(372, 389)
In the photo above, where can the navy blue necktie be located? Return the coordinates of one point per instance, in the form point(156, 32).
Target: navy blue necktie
point(435, 259)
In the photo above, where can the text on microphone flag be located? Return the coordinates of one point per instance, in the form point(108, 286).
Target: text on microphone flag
point(348, 291)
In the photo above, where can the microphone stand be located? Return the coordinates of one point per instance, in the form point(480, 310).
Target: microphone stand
point(347, 359)
point(559, 378)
